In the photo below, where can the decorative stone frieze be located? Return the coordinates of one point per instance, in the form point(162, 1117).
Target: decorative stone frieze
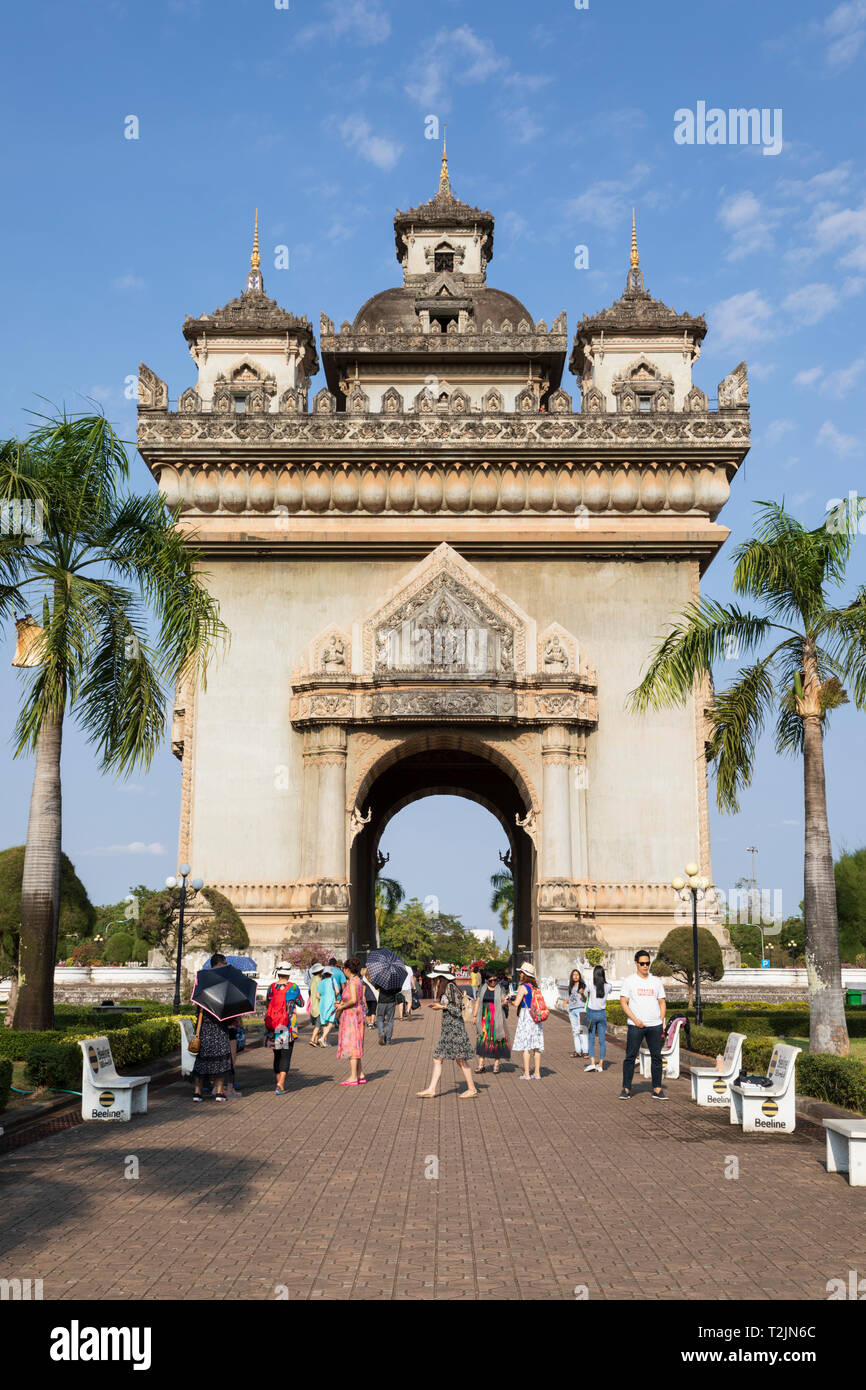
point(532, 486)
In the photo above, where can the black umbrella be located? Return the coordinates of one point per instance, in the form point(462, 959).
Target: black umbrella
point(386, 969)
point(224, 992)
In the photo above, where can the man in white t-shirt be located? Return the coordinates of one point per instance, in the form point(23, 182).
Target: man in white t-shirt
point(642, 999)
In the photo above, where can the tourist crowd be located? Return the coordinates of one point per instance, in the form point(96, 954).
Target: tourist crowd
point(346, 998)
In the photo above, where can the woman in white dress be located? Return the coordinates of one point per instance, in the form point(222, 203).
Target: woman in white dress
point(529, 1037)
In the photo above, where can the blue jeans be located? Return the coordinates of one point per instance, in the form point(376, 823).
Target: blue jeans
point(579, 1037)
point(597, 1024)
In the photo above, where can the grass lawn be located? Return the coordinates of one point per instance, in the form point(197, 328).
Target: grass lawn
point(858, 1046)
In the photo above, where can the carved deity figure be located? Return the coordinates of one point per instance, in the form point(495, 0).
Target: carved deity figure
point(555, 655)
point(334, 653)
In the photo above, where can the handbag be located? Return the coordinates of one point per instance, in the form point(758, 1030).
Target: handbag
point(195, 1041)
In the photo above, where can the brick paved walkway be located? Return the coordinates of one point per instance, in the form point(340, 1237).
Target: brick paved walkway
point(324, 1192)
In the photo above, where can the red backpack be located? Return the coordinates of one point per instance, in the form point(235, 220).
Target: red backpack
point(277, 1014)
point(538, 1010)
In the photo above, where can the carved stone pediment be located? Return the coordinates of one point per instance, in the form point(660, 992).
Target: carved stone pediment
point(444, 643)
point(447, 619)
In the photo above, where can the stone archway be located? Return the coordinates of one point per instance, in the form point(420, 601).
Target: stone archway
point(442, 763)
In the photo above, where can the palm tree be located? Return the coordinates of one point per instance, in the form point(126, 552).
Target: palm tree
point(502, 897)
point(815, 647)
point(389, 895)
point(98, 558)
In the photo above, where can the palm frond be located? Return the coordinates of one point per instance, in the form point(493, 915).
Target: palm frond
point(736, 718)
point(705, 632)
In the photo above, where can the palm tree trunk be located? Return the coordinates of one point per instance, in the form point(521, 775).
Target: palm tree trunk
point(828, 1031)
point(40, 886)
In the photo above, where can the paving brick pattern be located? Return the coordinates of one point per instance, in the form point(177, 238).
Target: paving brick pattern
point(323, 1194)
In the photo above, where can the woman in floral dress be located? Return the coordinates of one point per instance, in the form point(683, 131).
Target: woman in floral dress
point(491, 1011)
point(350, 1012)
point(454, 1043)
point(529, 1036)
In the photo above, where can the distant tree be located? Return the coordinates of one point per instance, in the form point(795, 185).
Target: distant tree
point(389, 895)
point(217, 927)
point(454, 942)
point(77, 914)
point(675, 957)
point(850, 874)
point(408, 933)
point(595, 956)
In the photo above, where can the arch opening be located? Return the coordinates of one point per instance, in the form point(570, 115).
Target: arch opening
point(439, 768)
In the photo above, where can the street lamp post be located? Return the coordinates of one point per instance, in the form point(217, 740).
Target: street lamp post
point(183, 874)
point(695, 884)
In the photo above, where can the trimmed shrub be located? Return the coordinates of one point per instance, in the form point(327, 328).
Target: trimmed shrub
point(5, 1082)
point(118, 948)
point(837, 1080)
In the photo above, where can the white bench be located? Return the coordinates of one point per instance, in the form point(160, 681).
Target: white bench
point(846, 1149)
point(709, 1086)
point(670, 1056)
point(768, 1109)
point(104, 1094)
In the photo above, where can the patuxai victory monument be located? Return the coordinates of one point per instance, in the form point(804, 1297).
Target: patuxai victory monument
point(444, 573)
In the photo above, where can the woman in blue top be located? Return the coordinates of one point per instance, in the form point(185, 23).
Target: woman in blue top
point(596, 1017)
point(329, 993)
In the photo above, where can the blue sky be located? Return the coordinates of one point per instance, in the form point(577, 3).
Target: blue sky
point(559, 120)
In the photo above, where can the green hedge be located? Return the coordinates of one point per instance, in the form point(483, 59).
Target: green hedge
point(55, 1059)
point(5, 1082)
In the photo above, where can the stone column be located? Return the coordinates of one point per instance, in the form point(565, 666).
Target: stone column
point(308, 811)
point(331, 817)
point(556, 808)
point(578, 785)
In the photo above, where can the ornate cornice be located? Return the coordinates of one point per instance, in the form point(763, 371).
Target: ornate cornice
point(161, 430)
point(531, 487)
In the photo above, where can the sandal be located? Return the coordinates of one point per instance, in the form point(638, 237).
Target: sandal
point(468, 1095)
point(426, 1095)
point(350, 1083)
point(362, 1080)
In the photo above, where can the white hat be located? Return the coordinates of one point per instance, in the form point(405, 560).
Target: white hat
point(284, 968)
point(527, 969)
point(316, 969)
point(440, 972)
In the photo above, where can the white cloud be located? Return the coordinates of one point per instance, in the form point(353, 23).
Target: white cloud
point(845, 29)
point(137, 847)
point(453, 56)
point(761, 371)
point(128, 282)
point(777, 429)
point(751, 225)
point(841, 382)
point(522, 125)
point(606, 204)
point(811, 303)
point(829, 437)
point(800, 497)
point(844, 228)
point(365, 21)
point(809, 376)
point(744, 318)
point(378, 149)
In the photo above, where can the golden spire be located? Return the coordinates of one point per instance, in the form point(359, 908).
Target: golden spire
point(634, 259)
point(255, 258)
point(444, 180)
